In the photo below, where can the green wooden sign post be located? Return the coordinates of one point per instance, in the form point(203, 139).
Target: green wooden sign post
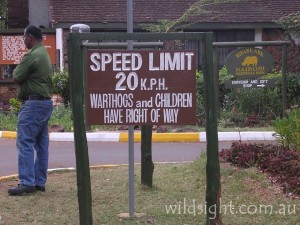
point(147, 165)
point(77, 42)
point(75, 53)
point(213, 183)
point(283, 45)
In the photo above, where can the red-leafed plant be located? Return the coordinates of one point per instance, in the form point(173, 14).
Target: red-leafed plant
point(278, 161)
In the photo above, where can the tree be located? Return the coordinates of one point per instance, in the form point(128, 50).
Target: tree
point(291, 23)
point(3, 13)
point(200, 7)
point(3, 8)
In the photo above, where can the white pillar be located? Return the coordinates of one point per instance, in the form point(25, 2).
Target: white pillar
point(258, 34)
point(60, 47)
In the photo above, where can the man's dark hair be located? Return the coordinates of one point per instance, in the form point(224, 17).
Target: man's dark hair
point(34, 31)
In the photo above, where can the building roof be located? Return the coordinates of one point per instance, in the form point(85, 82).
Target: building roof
point(257, 11)
point(105, 12)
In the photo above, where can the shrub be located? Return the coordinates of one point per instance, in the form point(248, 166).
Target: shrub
point(288, 129)
point(4, 107)
point(257, 106)
point(16, 104)
point(293, 91)
point(231, 119)
point(281, 163)
point(200, 99)
point(62, 116)
point(265, 103)
point(61, 85)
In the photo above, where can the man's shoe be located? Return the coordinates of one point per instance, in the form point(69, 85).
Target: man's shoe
point(40, 188)
point(21, 189)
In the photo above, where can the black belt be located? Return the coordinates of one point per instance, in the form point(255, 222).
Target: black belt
point(35, 97)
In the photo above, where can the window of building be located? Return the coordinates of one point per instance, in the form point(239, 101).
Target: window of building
point(222, 36)
point(7, 71)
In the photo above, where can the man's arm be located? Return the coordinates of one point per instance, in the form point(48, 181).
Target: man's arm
point(21, 72)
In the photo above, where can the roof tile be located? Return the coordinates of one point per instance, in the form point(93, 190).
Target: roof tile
point(145, 11)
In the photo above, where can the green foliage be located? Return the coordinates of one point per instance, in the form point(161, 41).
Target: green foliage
point(238, 107)
point(293, 91)
point(291, 23)
point(161, 26)
point(3, 8)
point(224, 92)
point(62, 115)
point(266, 103)
point(288, 129)
point(200, 110)
point(61, 85)
point(195, 10)
point(232, 119)
point(3, 13)
point(8, 122)
point(16, 104)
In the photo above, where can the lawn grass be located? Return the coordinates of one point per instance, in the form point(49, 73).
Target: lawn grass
point(8, 122)
point(177, 187)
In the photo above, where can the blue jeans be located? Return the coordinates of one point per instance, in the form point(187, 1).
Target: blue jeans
point(32, 136)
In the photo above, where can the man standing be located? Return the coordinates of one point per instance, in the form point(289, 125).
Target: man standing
point(33, 76)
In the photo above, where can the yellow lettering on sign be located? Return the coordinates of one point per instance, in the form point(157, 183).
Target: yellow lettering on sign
point(244, 51)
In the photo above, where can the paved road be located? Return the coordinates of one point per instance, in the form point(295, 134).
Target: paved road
point(62, 154)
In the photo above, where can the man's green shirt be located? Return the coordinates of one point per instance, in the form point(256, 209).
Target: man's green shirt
point(34, 73)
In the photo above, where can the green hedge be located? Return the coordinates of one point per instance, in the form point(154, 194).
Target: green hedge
point(288, 129)
point(238, 107)
point(61, 85)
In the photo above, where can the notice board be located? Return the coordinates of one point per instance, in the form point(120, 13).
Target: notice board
point(13, 48)
point(141, 87)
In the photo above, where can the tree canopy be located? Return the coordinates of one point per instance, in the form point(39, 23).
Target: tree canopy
point(196, 9)
point(3, 13)
point(3, 8)
point(291, 23)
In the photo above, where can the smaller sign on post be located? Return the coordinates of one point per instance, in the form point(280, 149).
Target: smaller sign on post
point(249, 63)
point(250, 83)
point(141, 87)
